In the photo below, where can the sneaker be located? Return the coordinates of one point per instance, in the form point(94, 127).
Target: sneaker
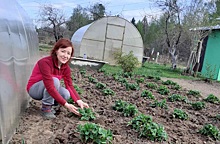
point(53, 110)
point(47, 111)
point(48, 115)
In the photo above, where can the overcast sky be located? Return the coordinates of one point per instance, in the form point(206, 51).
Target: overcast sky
point(125, 8)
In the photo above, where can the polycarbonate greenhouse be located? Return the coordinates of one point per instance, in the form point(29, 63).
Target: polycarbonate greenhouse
point(102, 38)
point(18, 52)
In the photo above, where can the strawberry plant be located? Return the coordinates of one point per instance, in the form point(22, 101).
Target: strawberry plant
point(86, 114)
point(198, 105)
point(210, 130)
point(70, 101)
point(193, 92)
point(127, 74)
point(130, 110)
point(176, 87)
point(212, 99)
point(108, 91)
point(92, 79)
point(163, 90)
point(100, 85)
point(176, 97)
point(144, 125)
point(162, 104)
point(151, 85)
point(102, 70)
point(178, 113)
point(132, 86)
point(126, 108)
point(139, 80)
point(147, 94)
point(93, 133)
point(119, 105)
point(79, 91)
point(82, 71)
point(140, 120)
point(169, 82)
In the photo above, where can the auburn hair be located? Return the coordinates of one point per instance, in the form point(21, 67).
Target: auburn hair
point(61, 43)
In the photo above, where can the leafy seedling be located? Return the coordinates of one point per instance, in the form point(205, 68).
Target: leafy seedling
point(86, 114)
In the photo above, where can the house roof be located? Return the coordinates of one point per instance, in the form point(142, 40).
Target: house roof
point(205, 28)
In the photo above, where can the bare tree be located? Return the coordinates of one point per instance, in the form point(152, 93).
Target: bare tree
point(173, 27)
point(54, 18)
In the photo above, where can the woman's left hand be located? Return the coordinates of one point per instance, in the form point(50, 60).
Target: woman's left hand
point(82, 104)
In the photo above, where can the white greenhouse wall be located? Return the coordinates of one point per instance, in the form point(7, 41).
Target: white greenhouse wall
point(19, 49)
point(102, 38)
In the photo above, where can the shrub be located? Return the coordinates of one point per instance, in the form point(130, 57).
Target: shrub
point(93, 133)
point(127, 62)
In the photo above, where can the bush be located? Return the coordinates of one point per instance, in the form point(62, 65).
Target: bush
point(127, 62)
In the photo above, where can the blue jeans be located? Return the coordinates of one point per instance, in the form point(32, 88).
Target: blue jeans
point(39, 92)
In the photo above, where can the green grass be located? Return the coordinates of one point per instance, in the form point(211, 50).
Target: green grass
point(152, 69)
point(45, 47)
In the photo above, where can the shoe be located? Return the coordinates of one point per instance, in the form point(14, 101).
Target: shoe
point(48, 115)
point(47, 111)
point(53, 110)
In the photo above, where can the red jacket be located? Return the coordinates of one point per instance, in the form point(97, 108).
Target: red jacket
point(45, 69)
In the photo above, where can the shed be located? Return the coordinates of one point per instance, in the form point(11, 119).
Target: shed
point(102, 38)
point(19, 51)
point(210, 49)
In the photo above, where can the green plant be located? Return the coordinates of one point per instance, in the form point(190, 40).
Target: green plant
point(102, 70)
point(108, 91)
point(86, 114)
point(128, 62)
point(210, 72)
point(162, 104)
point(176, 87)
point(193, 92)
point(132, 86)
point(152, 85)
point(126, 108)
point(139, 80)
point(82, 71)
point(78, 89)
point(176, 97)
point(144, 125)
point(92, 79)
point(210, 130)
point(147, 94)
point(198, 105)
point(178, 113)
point(100, 85)
point(212, 99)
point(93, 133)
point(163, 90)
point(169, 82)
point(70, 101)
point(130, 110)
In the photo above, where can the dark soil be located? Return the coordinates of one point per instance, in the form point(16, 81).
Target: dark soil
point(33, 129)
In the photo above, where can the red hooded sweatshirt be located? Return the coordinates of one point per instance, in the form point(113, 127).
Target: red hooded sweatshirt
point(47, 68)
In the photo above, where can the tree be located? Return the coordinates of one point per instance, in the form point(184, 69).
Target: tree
point(97, 10)
point(133, 21)
point(78, 19)
point(172, 28)
point(54, 18)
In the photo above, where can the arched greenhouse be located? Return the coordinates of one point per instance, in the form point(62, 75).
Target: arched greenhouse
point(19, 51)
point(102, 38)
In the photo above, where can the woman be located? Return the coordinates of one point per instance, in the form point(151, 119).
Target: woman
point(44, 82)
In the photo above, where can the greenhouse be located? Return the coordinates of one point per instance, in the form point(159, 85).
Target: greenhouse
point(102, 38)
point(19, 50)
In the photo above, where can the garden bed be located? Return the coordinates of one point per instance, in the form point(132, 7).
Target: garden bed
point(34, 129)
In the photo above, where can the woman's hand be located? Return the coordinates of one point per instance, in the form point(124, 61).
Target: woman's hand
point(82, 104)
point(72, 108)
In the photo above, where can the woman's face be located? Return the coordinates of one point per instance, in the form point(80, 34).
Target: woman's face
point(63, 55)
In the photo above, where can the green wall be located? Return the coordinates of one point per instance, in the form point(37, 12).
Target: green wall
point(212, 56)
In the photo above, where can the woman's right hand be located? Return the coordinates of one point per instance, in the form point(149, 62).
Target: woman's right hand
point(72, 108)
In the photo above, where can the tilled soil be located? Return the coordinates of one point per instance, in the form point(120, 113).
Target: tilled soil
point(33, 129)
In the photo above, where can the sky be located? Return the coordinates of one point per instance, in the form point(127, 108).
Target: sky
point(125, 8)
